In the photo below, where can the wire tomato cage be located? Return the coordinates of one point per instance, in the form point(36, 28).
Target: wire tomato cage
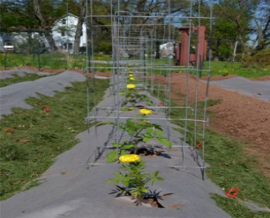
point(165, 46)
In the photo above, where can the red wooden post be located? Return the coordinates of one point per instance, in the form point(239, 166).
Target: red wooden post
point(200, 52)
point(201, 48)
point(177, 54)
point(184, 46)
point(205, 50)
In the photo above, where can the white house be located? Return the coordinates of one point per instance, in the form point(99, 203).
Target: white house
point(63, 33)
point(64, 30)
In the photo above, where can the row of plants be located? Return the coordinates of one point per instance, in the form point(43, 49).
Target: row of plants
point(131, 180)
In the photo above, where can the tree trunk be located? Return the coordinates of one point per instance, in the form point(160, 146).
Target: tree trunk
point(235, 49)
point(46, 30)
point(157, 50)
point(217, 50)
point(30, 42)
point(243, 45)
point(48, 36)
point(79, 29)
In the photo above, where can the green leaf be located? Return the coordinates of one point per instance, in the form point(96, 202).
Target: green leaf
point(111, 157)
point(114, 144)
point(122, 152)
point(159, 133)
point(165, 142)
point(149, 130)
point(110, 181)
point(125, 182)
point(128, 146)
point(145, 190)
point(146, 139)
point(153, 181)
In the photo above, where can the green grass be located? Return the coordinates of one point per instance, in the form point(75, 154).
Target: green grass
point(63, 61)
point(17, 79)
point(38, 136)
point(230, 166)
point(223, 68)
point(237, 209)
point(53, 61)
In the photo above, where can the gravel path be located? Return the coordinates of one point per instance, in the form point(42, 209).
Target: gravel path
point(260, 89)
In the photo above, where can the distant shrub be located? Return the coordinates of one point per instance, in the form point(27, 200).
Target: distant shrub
point(105, 47)
point(261, 59)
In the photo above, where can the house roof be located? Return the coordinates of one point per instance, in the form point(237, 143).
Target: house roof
point(66, 15)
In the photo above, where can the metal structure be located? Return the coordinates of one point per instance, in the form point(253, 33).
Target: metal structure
point(138, 38)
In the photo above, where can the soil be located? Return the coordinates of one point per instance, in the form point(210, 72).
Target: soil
point(237, 116)
point(150, 202)
point(214, 78)
point(147, 201)
point(149, 153)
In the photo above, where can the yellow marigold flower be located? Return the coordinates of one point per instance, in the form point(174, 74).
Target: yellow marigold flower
point(145, 111)
point(130, 75)
point(129, 158)
point(130, 86)
point(132, 78)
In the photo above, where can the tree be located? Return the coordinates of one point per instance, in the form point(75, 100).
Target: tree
point(102, 34)
point(44, 24)
point(78, 33)
point(16, 14)
point(30, 16)
point(261, 26)
point(232, 24)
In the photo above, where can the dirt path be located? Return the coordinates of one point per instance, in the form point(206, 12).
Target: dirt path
point(238, 116)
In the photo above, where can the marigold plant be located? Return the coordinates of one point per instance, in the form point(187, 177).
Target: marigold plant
point(132, 178)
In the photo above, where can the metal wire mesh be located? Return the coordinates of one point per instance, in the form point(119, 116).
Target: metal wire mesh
point(137, 39)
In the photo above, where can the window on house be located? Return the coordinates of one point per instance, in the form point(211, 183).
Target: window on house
point(63, 33)
point(64, 21)
point(70, 45)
